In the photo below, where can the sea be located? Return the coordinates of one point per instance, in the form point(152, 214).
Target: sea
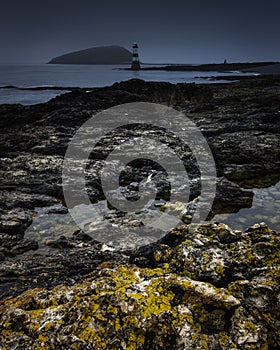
point(14, 79)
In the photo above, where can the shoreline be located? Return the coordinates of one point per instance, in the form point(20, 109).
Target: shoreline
point(203, 101)
point(217, 67)
point(253, 77)
point(203, 280)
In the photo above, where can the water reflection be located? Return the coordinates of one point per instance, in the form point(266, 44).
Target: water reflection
point(52, 222)
point(265, 208)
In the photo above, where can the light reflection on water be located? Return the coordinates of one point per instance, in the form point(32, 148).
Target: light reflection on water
point(265, 208)
point(50, 226)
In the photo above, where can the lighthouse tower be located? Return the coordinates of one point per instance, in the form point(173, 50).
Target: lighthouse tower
point(135, 64)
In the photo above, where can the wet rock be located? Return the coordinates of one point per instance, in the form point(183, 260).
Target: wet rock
point(60, 243)
point(63, 266)
point(59, 209)
point(14, 199)
point(239, 121)
point(14, 221)
point(24, 245)
point(230, 197)
point(81, 236)
point(5, 252)
point(11, 246)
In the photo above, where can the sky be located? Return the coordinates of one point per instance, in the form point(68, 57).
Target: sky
point(177, 31)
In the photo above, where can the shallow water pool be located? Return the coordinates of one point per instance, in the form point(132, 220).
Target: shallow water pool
point(265, 208)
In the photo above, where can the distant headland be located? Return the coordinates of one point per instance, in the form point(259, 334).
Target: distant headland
point(96, 55)
point(119, 55)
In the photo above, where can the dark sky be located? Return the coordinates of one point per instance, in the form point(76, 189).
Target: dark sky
point(194, 31)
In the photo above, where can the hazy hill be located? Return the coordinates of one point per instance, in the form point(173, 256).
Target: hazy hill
point(95, 55)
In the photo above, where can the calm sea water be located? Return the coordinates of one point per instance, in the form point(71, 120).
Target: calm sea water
point(46, 75)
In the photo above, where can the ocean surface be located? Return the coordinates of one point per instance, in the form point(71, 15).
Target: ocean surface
point(48, 75)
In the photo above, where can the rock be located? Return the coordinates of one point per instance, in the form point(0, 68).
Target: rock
point(127, 306)
point(82, 236)
point(14, 221)
point(247, 331)
point(60, 243)
point(212, 252)
point(34, 139)
point(230, 197)
point(203, 290)
point(12, 199)
point(24, 245)
point(198, 287)
point(151, 255)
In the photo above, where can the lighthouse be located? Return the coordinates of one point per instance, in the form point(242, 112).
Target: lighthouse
point(135, 64)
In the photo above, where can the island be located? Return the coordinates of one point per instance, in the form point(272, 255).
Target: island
point(95, 55)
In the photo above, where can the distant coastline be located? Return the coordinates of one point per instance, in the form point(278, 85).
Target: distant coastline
point(217, 67)
point(30, 85)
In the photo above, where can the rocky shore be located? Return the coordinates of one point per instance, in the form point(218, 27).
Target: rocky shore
point(214, 288)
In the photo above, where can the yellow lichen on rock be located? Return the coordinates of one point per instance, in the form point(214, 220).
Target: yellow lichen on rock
point(177, 303)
